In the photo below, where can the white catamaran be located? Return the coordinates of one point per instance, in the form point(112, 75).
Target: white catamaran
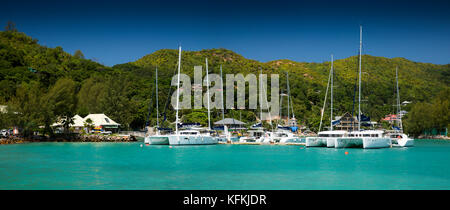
point(191, 136)
point(326, 138)
point(367, 139)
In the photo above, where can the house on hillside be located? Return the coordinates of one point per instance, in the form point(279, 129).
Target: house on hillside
point(390, 118)
point(346, 122)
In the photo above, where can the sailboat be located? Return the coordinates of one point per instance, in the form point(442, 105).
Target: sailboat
point(326, 138)
point(226, 136)
point(367, 139)
point(192, 136)
point(157, 139)
point(284, 134)
point(257, 133)
point(399, 138)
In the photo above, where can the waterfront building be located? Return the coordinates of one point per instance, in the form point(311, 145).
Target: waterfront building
point(102, 122)
point(231, 123)
point(76, 126)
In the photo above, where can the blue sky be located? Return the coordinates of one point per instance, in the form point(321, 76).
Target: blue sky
point(113, 32)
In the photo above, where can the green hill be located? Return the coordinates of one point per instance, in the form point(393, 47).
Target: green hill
point(124, 91)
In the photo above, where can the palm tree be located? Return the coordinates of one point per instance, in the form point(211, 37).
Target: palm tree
point(88, 124)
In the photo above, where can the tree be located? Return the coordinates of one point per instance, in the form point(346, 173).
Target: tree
point(11, 26)
point(29, 111)
point(78, 54)
point(88, 124)
point(197, 116)
point(116, 100)
point(62, 101)
point(425, 116)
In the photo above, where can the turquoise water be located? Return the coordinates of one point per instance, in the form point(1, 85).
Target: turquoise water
point(128, 166)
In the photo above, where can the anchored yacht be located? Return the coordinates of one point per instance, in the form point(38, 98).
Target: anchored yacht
point(185, 137)
point(191, 137)
point(367, 139)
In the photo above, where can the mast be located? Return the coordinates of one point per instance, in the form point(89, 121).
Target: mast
point(178, 88)
point(260, 95)
point(324, 102)
point(398, 103)
point(157, 109)
point(359, 88)
point(207, 91)
point(223, 108)
point(331, 94)
point(289, 96)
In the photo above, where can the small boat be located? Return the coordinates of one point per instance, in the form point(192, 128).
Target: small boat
point(397, 137)
point(400, 139)
point(156, 139)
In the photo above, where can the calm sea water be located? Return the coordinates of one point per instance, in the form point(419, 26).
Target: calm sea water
point(128, 166)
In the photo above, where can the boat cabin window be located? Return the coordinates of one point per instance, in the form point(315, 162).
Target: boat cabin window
point(374, 135)
point(188, 133)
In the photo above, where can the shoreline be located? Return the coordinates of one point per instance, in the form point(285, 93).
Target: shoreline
point(131, 138)
point(69, 138)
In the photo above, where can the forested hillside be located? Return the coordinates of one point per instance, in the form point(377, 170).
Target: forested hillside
point(41, 84)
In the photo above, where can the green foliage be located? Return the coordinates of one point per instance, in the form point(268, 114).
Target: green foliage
point(60, 85)
point(28, 108)
point(62, 101)
point(197, 116)
point(429, 115)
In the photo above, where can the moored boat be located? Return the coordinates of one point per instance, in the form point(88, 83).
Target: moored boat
point(157, 140)
point(331, 136)
point(316, 142)
point(191, 137)
point(367, 139)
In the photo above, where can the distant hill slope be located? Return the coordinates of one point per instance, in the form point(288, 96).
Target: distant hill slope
point(417, 81)
point(20, 55)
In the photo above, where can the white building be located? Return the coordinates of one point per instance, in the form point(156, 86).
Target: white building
point(102, 122)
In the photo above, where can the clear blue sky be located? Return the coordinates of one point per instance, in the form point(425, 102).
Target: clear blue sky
point(114, 32)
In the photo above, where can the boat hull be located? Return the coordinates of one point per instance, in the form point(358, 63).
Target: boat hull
point(375, 143)
point(316, 142)
point(405, 142)
point(331, 142)
point(348, 143)
point(191, 140)
point(156, 140)
point(290, 140)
